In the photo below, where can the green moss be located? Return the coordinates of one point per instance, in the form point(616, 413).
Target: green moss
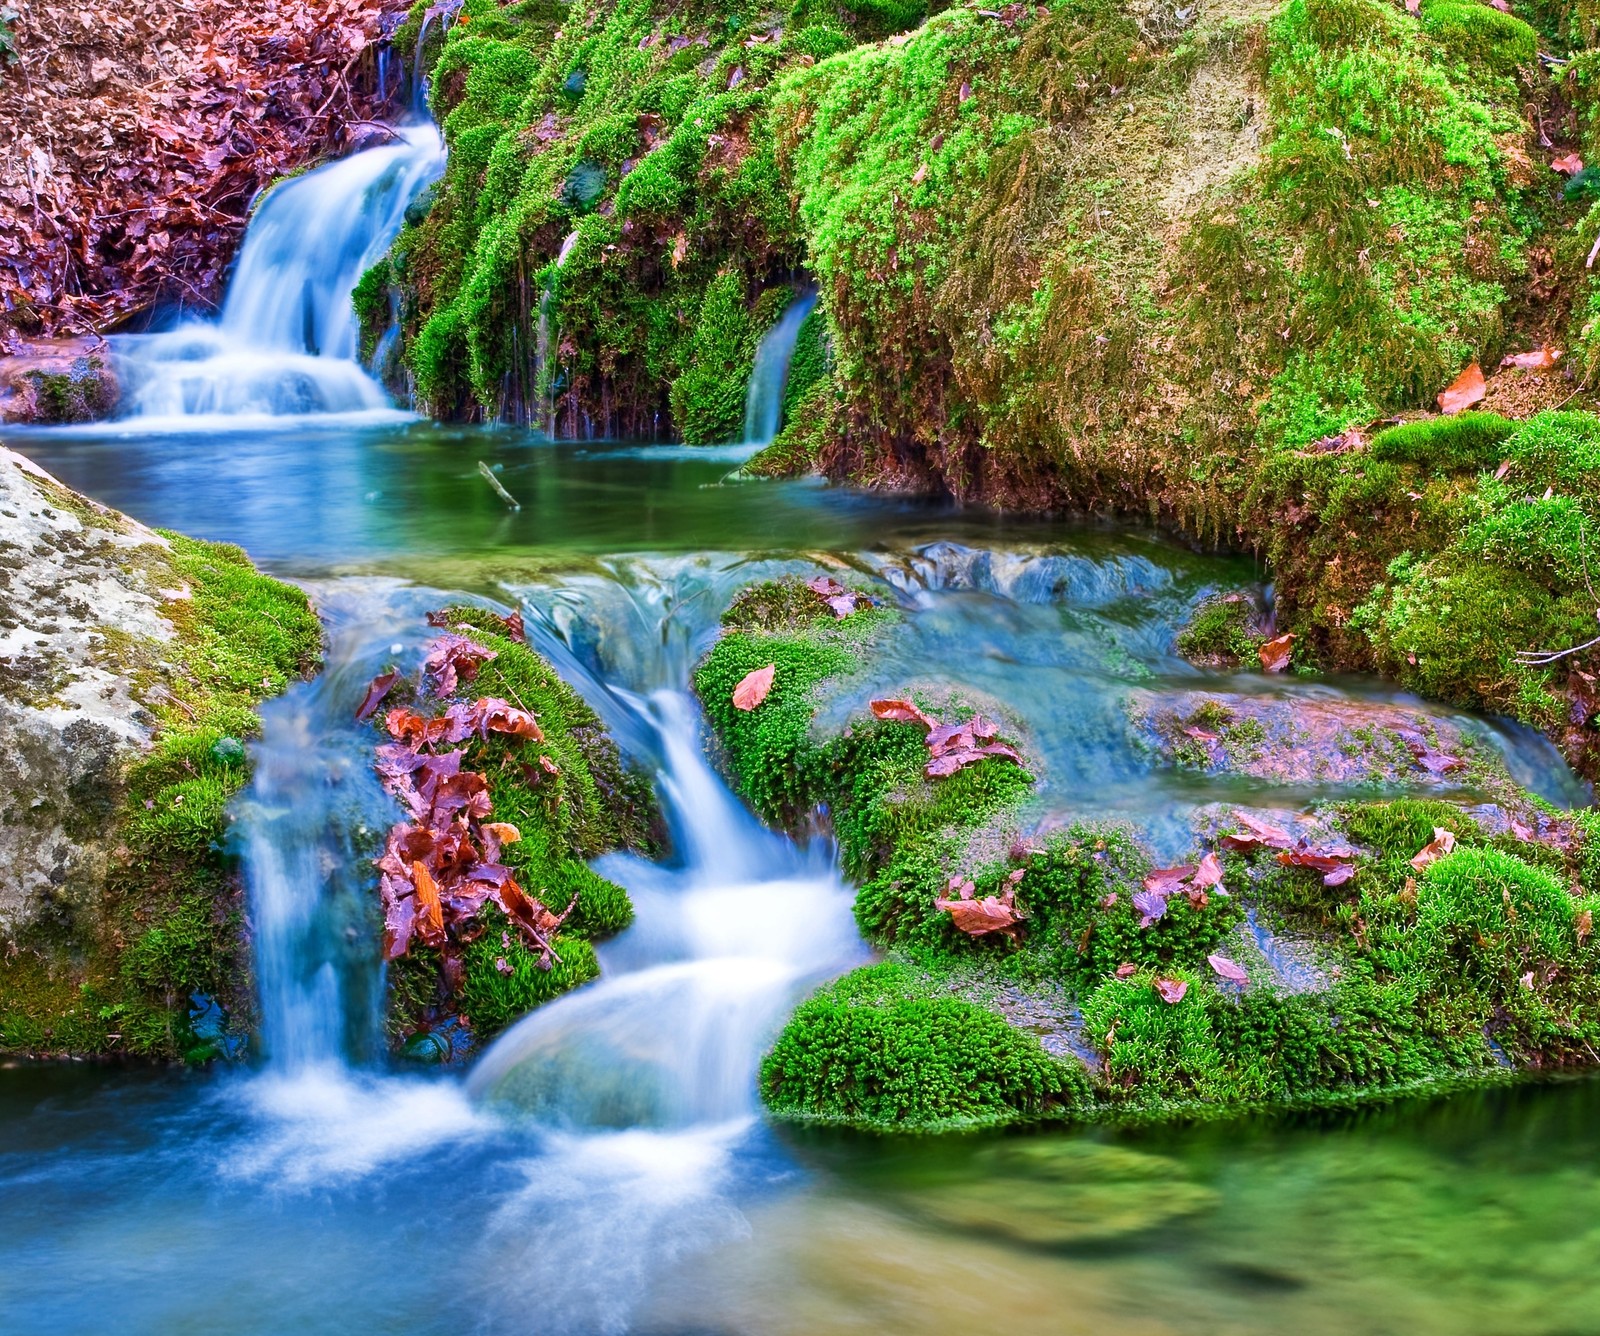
point(371, 301)
point(1480, 37)
point(876, 1049)
point(1445, 444)
point(502, 980)
point(708, 397)
point(1221, 632)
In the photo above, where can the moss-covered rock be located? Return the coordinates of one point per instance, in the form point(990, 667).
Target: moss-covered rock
point(571, 798)
point(134, 667)
point(1416, 968)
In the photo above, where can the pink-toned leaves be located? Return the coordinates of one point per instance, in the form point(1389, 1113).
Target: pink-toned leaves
point(753, 687)
point(1171, 991)
point(1227, 969)
point(900, 712)
point(1541, 358)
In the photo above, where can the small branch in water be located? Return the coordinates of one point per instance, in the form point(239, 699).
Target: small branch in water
point(499, 490)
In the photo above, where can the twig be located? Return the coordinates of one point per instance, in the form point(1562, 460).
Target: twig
point(499, 489)
point(1538, 658)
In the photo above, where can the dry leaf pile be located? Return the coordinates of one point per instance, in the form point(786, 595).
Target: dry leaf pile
point(134, 137)
point(441, 865)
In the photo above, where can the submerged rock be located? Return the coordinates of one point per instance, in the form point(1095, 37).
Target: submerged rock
point(130, 663)
point(1304, 739)
point(57, 381)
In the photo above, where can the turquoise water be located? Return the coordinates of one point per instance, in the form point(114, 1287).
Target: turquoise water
point(353, 1198)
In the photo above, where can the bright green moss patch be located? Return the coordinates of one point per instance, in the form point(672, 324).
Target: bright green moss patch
point(877, 1049)
point(1221, 633)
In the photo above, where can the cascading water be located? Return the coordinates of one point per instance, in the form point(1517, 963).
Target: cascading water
point(763, 404)
point(285, 343)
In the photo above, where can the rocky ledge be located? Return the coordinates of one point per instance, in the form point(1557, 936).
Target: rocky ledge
point(131, 665)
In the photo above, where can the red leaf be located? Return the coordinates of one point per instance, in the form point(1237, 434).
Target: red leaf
point(978, 918)
point(1171, 990)
point(1209, 873)
point(1127, 970)
point(1464, 391)
point(1443, 842)
point(1569, 164)
point(452, 658)
point(1540, 359)
point(1260, 834)
point(753, 687)
point(901, 712)
point(1227, 969)
point(377, 689)
point(1274, 655)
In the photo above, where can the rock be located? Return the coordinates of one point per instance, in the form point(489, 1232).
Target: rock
point(75, 598)
point(54, 381)
point(1311, 740)
point(128, 664)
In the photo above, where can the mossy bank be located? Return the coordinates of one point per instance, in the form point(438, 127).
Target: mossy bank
point(132, 668)
point(1362, 953)
point(1183, 262)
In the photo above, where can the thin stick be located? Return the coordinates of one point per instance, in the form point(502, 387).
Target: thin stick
point(494, 482)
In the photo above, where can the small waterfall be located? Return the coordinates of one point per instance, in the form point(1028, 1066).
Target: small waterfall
point(724, 941)
point(763, 403)
point(543, 418)
point(311, 802)
point(285, 342)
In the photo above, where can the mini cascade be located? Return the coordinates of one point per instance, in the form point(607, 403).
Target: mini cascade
point(763, 404)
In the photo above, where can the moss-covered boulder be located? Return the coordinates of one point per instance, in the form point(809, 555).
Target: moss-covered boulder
point(1339, 953)
point(130, 671)
point(553, 801)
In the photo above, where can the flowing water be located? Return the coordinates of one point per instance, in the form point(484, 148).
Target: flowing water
point(604, 1166)
point(285, 342)
point(763, 402)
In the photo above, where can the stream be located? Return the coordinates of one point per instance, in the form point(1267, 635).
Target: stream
point(604, 1167)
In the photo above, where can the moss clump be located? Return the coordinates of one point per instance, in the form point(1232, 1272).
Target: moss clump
point(878, 1049)
point(170, 928)
point(572, 798)
point(1221, 633)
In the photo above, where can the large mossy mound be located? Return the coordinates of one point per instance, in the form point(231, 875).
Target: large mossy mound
point(571, 798)
point(1471, 967)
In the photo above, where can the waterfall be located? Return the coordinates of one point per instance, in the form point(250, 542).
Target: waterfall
point(763, 403)
point(305, 827)
point(285, 342)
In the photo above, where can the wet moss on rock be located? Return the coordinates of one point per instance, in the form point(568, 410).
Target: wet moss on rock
point(121, 974)
point(586, 802)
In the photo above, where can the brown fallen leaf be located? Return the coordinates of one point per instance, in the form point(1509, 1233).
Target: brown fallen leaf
point(377, 689)
point(1336, 868)
point(503, 831)
point(1127, 970)
point(753, 687)
point(1464, 391)
point(1568, 164)
point(1171, 990)
point(1540, 359)
point(1435, 849)
point(980, 917)
point(1274, 655)
point(1505, 468)
point(1585, 926)
point(430, 913)
point(901, 712)
point(1227, 969)
point(1259, 834)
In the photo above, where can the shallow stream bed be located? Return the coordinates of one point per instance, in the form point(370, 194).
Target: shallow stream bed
point(337, 1194)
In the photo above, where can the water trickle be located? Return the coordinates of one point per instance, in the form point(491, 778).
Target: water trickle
point(285, 343)
point(763, 404)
